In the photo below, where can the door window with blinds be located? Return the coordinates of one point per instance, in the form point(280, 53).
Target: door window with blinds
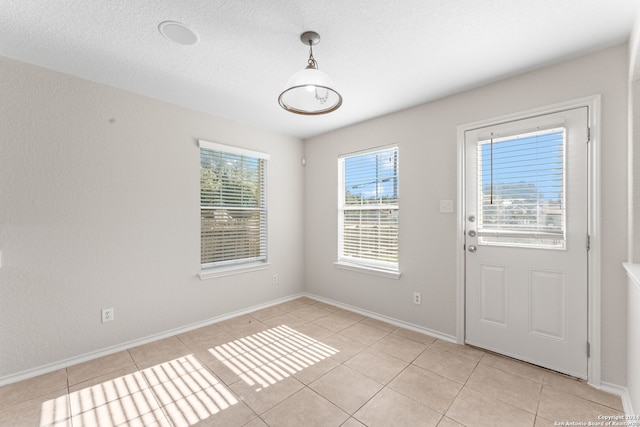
point(368, 209)
point(233, 207)
point(521, 189)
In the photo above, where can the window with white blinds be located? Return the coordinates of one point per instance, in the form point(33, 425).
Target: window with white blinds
point(368, 209)
point(521, 189)
point(233, 206)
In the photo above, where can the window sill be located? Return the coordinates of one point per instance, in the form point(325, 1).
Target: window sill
point(368, 270)
point(212, 273)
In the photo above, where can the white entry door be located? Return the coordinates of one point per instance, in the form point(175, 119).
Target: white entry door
point(526, 240)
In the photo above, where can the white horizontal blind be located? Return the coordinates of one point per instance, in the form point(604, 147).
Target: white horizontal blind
point(521, 190)
point(368, 218)
point(233, 208)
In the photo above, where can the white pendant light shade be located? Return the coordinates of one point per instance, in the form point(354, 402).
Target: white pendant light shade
point(310, 91)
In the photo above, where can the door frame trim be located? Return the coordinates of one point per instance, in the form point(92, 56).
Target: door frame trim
point(593, 104)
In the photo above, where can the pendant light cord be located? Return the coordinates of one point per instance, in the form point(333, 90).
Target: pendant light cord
point(312, 63)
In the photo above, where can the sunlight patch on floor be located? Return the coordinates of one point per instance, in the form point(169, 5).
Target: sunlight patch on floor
point(272, 355)
point(182, 391)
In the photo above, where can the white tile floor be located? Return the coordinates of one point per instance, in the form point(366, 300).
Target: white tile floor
point(302, 363)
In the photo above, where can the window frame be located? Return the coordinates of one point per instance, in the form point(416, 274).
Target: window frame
point(372, 266)
point(239, 265)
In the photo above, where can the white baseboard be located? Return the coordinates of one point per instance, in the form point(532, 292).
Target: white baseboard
point(30, 373)
point(391, 320)
point(24, 375)
point(621, 391)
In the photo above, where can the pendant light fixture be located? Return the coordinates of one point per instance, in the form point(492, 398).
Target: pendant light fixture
point(310, 91)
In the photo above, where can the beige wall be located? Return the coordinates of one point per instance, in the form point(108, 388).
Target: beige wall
point(426, 136)
point(99, 208)
point(100, 194)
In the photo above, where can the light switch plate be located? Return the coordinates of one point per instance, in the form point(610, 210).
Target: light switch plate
point(446, 206)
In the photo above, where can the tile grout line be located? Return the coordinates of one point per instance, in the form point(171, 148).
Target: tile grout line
point(539, 399)
point(153, 393)
point(535, 415)
point(409, 364)
point(385, 386)
point(460, 391)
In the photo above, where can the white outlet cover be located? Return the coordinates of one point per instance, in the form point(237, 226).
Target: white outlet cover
point(446, 206)
point(107, 315)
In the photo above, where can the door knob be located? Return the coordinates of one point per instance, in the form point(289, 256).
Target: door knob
point(472, 249)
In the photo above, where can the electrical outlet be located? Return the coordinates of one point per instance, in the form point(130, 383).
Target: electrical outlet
point(446, 206)
point(417, 298)
point(107, 315)
point(274, 279)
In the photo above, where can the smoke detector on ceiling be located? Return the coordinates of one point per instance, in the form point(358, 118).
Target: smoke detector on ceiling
point(178, 33)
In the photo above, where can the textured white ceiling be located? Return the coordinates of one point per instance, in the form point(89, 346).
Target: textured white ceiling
point(383, 55)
